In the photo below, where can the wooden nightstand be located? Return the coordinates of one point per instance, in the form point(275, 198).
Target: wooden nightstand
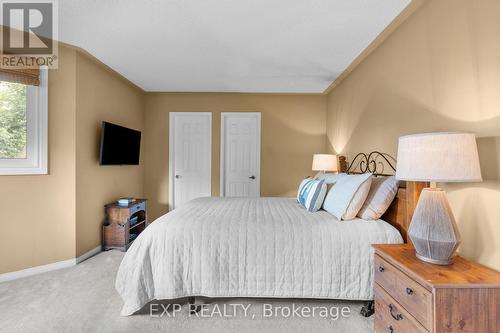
point(414, 296)
point(123, 224)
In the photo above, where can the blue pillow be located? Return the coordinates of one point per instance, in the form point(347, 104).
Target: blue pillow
point(311, 194)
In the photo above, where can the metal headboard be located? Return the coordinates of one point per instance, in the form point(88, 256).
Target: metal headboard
point(377, 163)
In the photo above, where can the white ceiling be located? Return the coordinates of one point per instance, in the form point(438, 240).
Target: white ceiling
point(226, 45)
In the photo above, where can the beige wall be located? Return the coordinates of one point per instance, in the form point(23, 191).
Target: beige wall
point(38, 212)
point(439, 71)
point(102, 95)
point(293, 128)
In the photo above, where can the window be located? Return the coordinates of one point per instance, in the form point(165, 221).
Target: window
point(23, 126)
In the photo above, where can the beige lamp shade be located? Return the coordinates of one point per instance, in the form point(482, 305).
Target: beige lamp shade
point(324, 162)
point(438, 157)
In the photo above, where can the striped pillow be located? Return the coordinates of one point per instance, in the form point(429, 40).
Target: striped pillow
point(311, 194)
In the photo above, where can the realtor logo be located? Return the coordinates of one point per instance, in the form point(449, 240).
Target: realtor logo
point(29, 33)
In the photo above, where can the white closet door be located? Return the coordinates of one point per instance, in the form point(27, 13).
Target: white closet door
point(240, 154)
point(190, 156)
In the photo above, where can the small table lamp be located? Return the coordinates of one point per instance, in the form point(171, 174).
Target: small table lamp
point(324, 162)
point(436, 157)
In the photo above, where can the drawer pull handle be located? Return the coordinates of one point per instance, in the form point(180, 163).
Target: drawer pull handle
point(397, 316)
point(409, 291)
point(381, 268)
point(390, 329)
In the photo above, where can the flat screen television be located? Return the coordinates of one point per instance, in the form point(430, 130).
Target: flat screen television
point(119, 145)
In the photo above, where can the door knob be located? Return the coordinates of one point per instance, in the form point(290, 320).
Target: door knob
point(177, 176)
point(252, 177)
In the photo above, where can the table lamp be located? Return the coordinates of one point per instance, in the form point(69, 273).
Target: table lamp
point(436, 157)
point(324, 162)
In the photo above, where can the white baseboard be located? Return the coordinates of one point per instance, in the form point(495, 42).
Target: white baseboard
point(89, 254)
point(37, 270)
point(49, 267)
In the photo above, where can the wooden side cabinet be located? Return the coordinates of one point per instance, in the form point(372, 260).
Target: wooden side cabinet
point(414, 296)
point(123, 224)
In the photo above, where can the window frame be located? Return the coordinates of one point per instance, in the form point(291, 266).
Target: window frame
point(36, 161)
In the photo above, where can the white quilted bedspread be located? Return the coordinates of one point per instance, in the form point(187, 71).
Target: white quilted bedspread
point(250, 247)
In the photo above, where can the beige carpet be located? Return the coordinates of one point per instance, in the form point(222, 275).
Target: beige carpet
point(83, 299)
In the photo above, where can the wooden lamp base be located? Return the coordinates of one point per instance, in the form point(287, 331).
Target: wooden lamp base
point(433, 229)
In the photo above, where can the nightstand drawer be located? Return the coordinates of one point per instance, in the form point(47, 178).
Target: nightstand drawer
point(385, 274)
point(410, 294)
point(414, 298)
point(391, 317)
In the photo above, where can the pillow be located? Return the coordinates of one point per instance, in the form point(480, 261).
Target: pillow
point(302, 183)
point(346, 197)
point(330, 178)
point(382, 192)
point(311, 194)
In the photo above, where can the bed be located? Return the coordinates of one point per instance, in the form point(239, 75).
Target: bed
point(257, 247)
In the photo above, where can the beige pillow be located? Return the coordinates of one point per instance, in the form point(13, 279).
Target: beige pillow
point(382, 192)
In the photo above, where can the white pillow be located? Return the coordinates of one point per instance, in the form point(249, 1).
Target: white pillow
point(382, 192)
point(311, 194)
point(346, 197)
